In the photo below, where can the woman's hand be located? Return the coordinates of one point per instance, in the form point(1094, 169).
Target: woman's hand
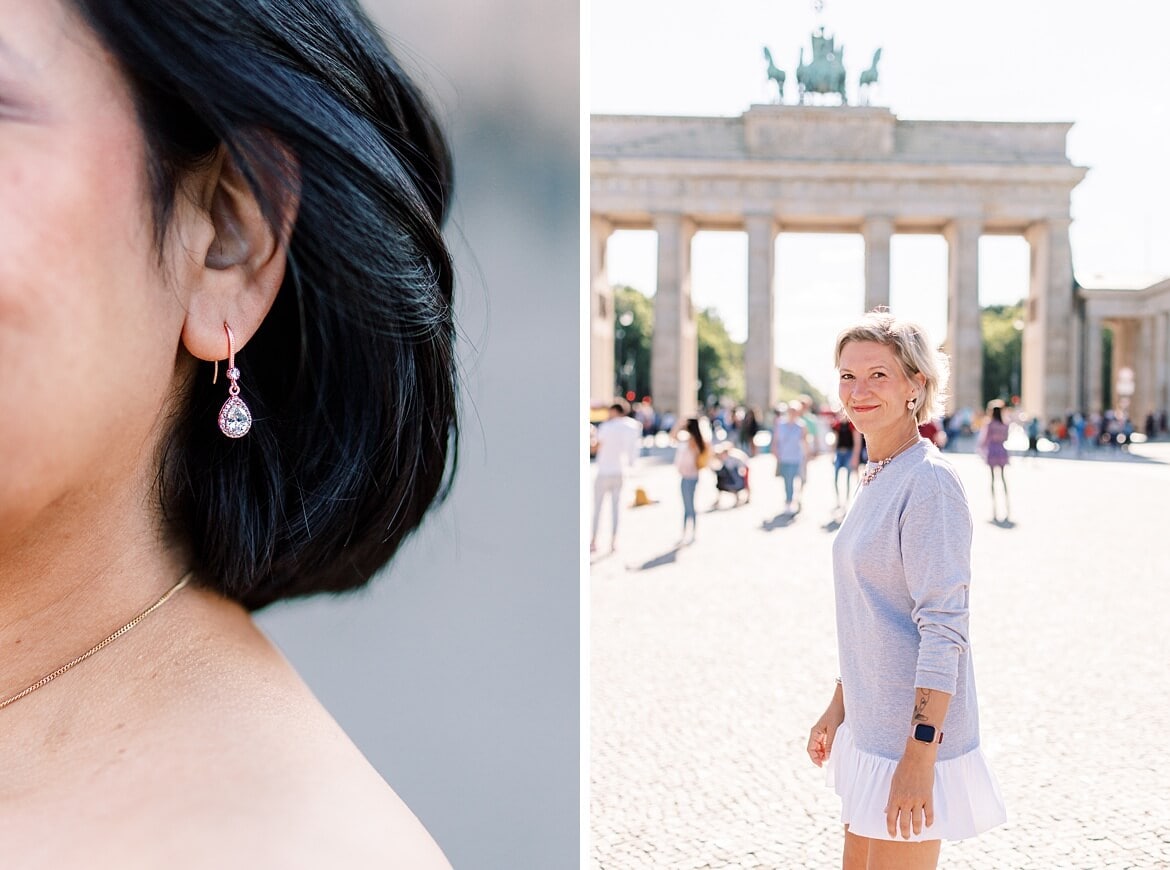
point(911, 803)
point(820, 738)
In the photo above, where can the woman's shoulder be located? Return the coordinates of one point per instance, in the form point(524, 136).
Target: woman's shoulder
point(934, 474)
point(240, 753)
point(308, 790)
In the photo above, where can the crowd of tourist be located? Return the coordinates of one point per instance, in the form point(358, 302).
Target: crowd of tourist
point(725, 437)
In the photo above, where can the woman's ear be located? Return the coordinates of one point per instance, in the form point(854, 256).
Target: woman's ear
point(234, 258)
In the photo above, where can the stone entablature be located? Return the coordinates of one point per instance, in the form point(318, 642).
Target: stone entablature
point(1109, 302)
point(828, 197)
point(828, 169)
point(829, 133)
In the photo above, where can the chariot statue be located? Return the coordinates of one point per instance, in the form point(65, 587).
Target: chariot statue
point(826, 73)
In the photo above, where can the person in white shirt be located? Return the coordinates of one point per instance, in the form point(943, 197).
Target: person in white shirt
point(619, 440)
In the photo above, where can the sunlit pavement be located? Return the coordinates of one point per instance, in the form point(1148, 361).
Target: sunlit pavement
point(710, 662)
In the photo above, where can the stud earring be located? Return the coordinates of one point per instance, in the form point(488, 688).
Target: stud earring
point(235, 418)
point(910, 404)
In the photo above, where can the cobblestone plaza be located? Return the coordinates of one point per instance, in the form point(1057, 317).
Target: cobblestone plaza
point(710, 663)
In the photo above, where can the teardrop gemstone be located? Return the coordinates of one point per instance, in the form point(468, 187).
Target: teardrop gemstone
point(235, 419)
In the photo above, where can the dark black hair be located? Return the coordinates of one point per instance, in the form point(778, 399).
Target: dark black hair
point(696, 433)
point(621, 406)
point(352, 377)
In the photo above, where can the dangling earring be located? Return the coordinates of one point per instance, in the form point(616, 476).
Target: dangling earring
point(235, 419)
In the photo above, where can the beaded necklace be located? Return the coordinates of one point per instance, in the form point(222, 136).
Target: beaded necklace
point(873, 468)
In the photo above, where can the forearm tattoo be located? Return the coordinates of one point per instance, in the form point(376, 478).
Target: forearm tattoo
point(920, 705)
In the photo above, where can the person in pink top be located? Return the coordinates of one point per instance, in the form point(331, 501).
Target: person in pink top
point(990, 445)
point(689, 456)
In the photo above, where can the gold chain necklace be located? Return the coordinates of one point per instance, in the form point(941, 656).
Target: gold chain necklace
point(48, 678)
point(872, 468)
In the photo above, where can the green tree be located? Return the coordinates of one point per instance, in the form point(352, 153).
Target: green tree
point(721, 372)
point(1002, 350)
point(794, 384)
point(633, 327)
point(720, 361)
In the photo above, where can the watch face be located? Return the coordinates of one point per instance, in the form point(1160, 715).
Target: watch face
point(924, 733)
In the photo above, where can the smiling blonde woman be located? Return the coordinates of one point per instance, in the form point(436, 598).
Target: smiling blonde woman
point(902, 571)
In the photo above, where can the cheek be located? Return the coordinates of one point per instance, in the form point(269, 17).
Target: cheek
point(75, 244)
point(82, 312)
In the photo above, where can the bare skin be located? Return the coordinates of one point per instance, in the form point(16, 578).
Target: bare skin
point(911, 804)
point(189, 742)
point(192, 740)
point(1007, 508)
point(910, 807)
point(874, 390)
point(863, 853)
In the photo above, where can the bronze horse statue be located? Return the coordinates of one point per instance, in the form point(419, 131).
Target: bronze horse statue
point(869, 77)
point(775, 74)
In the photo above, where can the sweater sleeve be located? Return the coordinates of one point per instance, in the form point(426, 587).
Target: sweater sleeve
point(936, 556)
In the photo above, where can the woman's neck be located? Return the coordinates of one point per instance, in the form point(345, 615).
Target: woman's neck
point(884, 445)
point(73, 572)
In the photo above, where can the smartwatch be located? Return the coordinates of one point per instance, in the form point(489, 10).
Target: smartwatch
point(924, 733)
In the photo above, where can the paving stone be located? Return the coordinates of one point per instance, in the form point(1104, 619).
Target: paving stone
point(710, 662)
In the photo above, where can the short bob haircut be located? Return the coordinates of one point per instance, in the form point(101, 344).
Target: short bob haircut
point(352, 376)
point(913, 350)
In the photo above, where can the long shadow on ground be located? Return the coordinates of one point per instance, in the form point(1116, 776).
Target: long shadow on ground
point(666, 558)
point(779, 521)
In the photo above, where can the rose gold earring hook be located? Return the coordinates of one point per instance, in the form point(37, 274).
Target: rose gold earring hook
point(231, 346)
point(231, 354)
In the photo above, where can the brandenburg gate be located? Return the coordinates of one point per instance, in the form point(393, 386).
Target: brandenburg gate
point(836, 169)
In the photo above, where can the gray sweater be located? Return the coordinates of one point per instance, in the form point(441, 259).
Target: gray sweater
point(902, 571)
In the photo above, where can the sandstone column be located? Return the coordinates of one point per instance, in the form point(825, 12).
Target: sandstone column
point(877, 232)
point(601, 314)
point(1049, 380)
point(1076, 351)
point(1161, 362)
point(1094, 396)
point(964, 342)
point(1144, 373)
point(674, 357)
point(759, 353)
point(1122, 354)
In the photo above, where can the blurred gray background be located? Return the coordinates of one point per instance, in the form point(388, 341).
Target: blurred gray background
point(457, 671)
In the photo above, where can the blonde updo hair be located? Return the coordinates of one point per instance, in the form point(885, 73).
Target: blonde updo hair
point(914, 352)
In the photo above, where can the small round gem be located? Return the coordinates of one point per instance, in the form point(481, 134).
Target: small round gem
point(233, 374)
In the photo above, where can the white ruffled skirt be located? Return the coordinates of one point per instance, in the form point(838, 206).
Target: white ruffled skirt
point(966, 796)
